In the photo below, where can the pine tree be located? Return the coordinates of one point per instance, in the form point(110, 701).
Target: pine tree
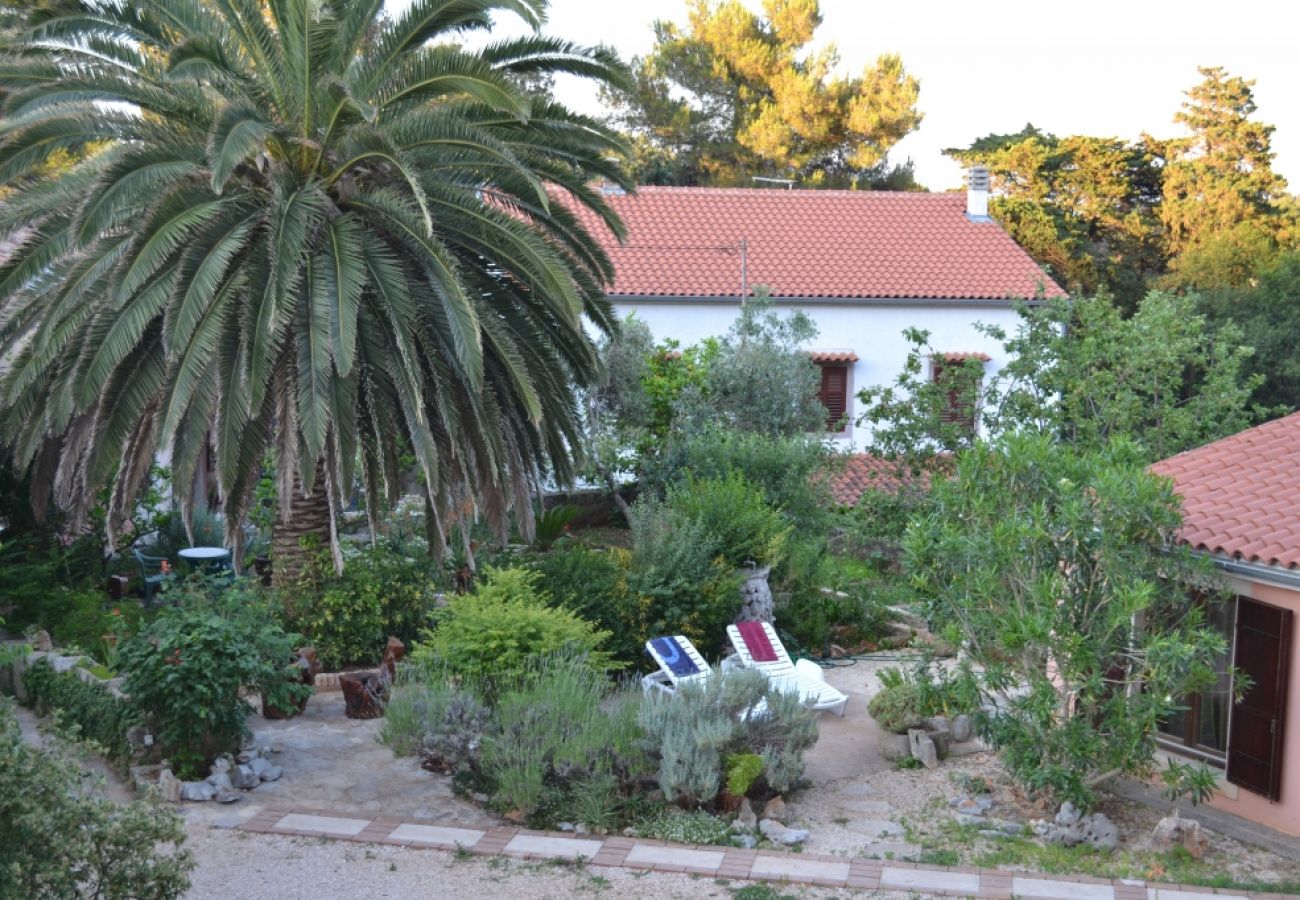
point(734, 95)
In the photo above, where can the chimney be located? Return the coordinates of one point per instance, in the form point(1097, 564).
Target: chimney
point(977, 192)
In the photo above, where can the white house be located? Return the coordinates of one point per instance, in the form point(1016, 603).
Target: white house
point(864, 265)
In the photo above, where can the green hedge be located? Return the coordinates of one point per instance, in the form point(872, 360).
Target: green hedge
point(100, 716)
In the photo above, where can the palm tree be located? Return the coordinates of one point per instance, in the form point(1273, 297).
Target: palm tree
point(297, 225)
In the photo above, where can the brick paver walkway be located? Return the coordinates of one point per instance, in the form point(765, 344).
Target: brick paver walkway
point(725, 862)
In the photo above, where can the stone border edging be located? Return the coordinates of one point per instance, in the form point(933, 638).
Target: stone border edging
point(724, 862)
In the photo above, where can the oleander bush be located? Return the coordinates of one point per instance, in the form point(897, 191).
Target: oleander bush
point(59, 837)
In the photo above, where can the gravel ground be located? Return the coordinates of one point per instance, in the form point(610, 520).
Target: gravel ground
point(268, 867)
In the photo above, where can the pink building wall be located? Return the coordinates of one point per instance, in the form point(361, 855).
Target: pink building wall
point(1284, 813)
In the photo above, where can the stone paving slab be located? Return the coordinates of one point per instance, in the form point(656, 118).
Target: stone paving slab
point(730, 863)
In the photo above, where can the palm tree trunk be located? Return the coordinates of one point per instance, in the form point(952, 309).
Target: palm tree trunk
point(304, 536)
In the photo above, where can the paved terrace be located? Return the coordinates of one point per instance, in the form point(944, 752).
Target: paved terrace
point(719, 862)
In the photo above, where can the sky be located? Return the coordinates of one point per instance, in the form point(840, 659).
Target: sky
point(1102, 67)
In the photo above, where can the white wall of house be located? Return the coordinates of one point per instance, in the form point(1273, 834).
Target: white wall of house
point(871, 329)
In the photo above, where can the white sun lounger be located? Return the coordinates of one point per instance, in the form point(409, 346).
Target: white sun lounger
point(805, 677)
point(679, 663)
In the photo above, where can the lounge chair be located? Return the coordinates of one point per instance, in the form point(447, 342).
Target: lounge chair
point(758, 646)
point(679, 662)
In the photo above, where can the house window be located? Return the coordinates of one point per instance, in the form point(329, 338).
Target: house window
point(1244, 737)
point(834, 394)
point(954, 371)
point(1201, 727)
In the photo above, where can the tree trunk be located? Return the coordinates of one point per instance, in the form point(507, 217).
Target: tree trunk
point(305, 535)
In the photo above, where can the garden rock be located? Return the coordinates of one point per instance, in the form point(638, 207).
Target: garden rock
point(942, 739)
point(220, 781)
point(198, 791)
point(170, 786)
point(777, 833)
point(244, 778)
point(1071, 829)
point(745, 818)
point(748, 841)
point(272, 774)
point(961, 728)
point(564, 826)
point(1174, 831)
point(42, 642)
point(923, 748)
point(894, 747)
point(775, 809)
point(229, 797)
point(259, 766)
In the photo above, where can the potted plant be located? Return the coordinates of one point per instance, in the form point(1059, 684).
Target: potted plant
point(286, 689)
point(896, 709)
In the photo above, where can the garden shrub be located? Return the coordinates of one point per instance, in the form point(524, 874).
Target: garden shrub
point(492, 633)
point(552, 737)
point(349, 617)
point(676, 567)
point(785, 468)
point(93, 623)
point(694, 732)
point(554, 745)
point(594, 584)
point(186, 669)
point(897, 708)
point(60, 838)
point(736, 514)
point(820, 602)
point(694, 827)
point(97, 713)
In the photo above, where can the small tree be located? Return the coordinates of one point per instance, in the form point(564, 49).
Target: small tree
point(1057, 567)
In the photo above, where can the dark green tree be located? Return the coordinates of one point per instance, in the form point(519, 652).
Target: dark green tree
point(302, 226)
point(1220, 201)
point(1086, 208)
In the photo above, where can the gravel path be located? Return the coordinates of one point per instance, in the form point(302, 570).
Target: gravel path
point(268, 867)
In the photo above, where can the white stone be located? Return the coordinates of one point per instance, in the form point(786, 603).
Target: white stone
point(793, 867)
point(648, 854)
point(557, 848)
point(928, 880)
point(436, 835)
point(1046, 889)
point(322, 824)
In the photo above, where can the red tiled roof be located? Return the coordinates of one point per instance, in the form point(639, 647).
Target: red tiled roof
point(1241, 494)
point(833, 356)
point(809, 243)
point(957, 356)
point(862, 472)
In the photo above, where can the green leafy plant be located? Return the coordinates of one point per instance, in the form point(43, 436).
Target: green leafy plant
point(492, 633)
point(736, 514)
point(594, 584)
point(60, 838)
point(897, 708)
point(693, 732)
point(186, 671)
point(553, 524)
point(1041, 557)
point(349, 617)
point(743, 769)
point(678, 570)
point(91, 708)
point(686, 827)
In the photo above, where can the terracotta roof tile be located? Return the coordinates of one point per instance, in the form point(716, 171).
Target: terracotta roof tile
point(861, 472)
point(809, 243)
point(833, 356)
point(1241, 494)
point(956, 356)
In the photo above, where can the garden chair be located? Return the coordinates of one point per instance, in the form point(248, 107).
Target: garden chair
point(758, 646)
point(679, 662)
point(150, 580)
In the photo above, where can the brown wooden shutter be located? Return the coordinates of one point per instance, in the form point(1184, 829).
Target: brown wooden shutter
point(834, 394)
point(1263, 652)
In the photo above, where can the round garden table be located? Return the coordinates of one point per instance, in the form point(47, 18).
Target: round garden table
point(204, 557)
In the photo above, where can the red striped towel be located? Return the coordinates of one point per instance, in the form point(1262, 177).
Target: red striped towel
point(756, 642)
